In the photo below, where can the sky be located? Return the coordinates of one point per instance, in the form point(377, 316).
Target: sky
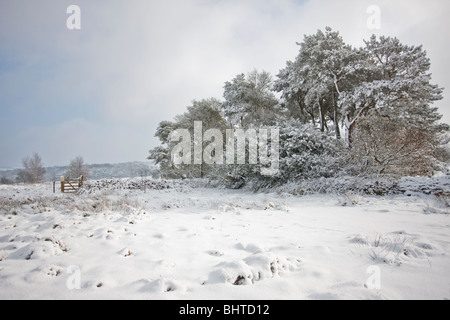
point(100, 91)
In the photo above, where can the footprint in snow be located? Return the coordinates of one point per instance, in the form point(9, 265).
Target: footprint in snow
point(215, 253)
point(251, 247)
point(126, 252)
point(162, 285)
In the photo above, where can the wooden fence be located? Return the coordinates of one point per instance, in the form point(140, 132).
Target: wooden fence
point(70, 186)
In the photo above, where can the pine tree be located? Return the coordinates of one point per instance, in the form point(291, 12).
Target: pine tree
point(314, 82)
point(162, 154)
point(206, 111)
point(396, 82)
point(249, 100)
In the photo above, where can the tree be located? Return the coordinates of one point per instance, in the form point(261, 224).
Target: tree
point(311, 85)
point(390, 121)
point(206, 111)
point(395, 81)
point(293, 84)
point(162, 154)
point(377, 99)
point(385, 85)
point(249, 100)
point(77, 168)
point(209, 113)
point(5, 180)
point(331, 81)
point(33, 171)
point(384, 145)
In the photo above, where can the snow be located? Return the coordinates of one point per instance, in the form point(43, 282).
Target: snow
point(185, 240)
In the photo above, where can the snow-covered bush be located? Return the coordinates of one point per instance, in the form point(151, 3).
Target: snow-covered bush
point(350, 199)
point(345, 185)
point(304, 153)
point(440, 204)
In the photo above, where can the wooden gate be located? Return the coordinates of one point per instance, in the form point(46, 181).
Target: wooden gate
point(70, 186)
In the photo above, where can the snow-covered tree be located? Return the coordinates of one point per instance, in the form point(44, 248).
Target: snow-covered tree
point(332, 85)
point(397, 83)
point(312, 84)
point(207, 112)
point(249, 100)
point(378, 98)
point(292, 82)
point(162, 154)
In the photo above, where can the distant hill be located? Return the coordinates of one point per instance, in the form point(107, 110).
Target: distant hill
point(98, 171)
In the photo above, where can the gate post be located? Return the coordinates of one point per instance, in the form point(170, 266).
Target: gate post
point(62, 184)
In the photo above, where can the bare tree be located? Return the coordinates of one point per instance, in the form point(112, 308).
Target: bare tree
point(33, 171)
point(77, 168)
point(144, 173)
point(5, 180)
point(388, 146)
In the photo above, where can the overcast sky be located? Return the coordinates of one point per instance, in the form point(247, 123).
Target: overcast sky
point(101, 91)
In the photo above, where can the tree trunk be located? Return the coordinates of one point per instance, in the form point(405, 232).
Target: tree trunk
point(303, 118)
point(349, 125)
point(336, 124)
point(321, 116)
point(348, 131)
point(335, 119)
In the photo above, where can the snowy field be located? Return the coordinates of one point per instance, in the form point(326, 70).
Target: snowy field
point(179, 241)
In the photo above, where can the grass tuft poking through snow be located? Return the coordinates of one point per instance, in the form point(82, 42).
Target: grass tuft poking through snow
point(395, 248)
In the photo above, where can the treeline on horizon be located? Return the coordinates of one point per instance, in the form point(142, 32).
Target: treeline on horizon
point(34, 171)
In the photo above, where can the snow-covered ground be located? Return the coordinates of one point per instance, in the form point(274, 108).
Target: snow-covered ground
point(176, 241)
